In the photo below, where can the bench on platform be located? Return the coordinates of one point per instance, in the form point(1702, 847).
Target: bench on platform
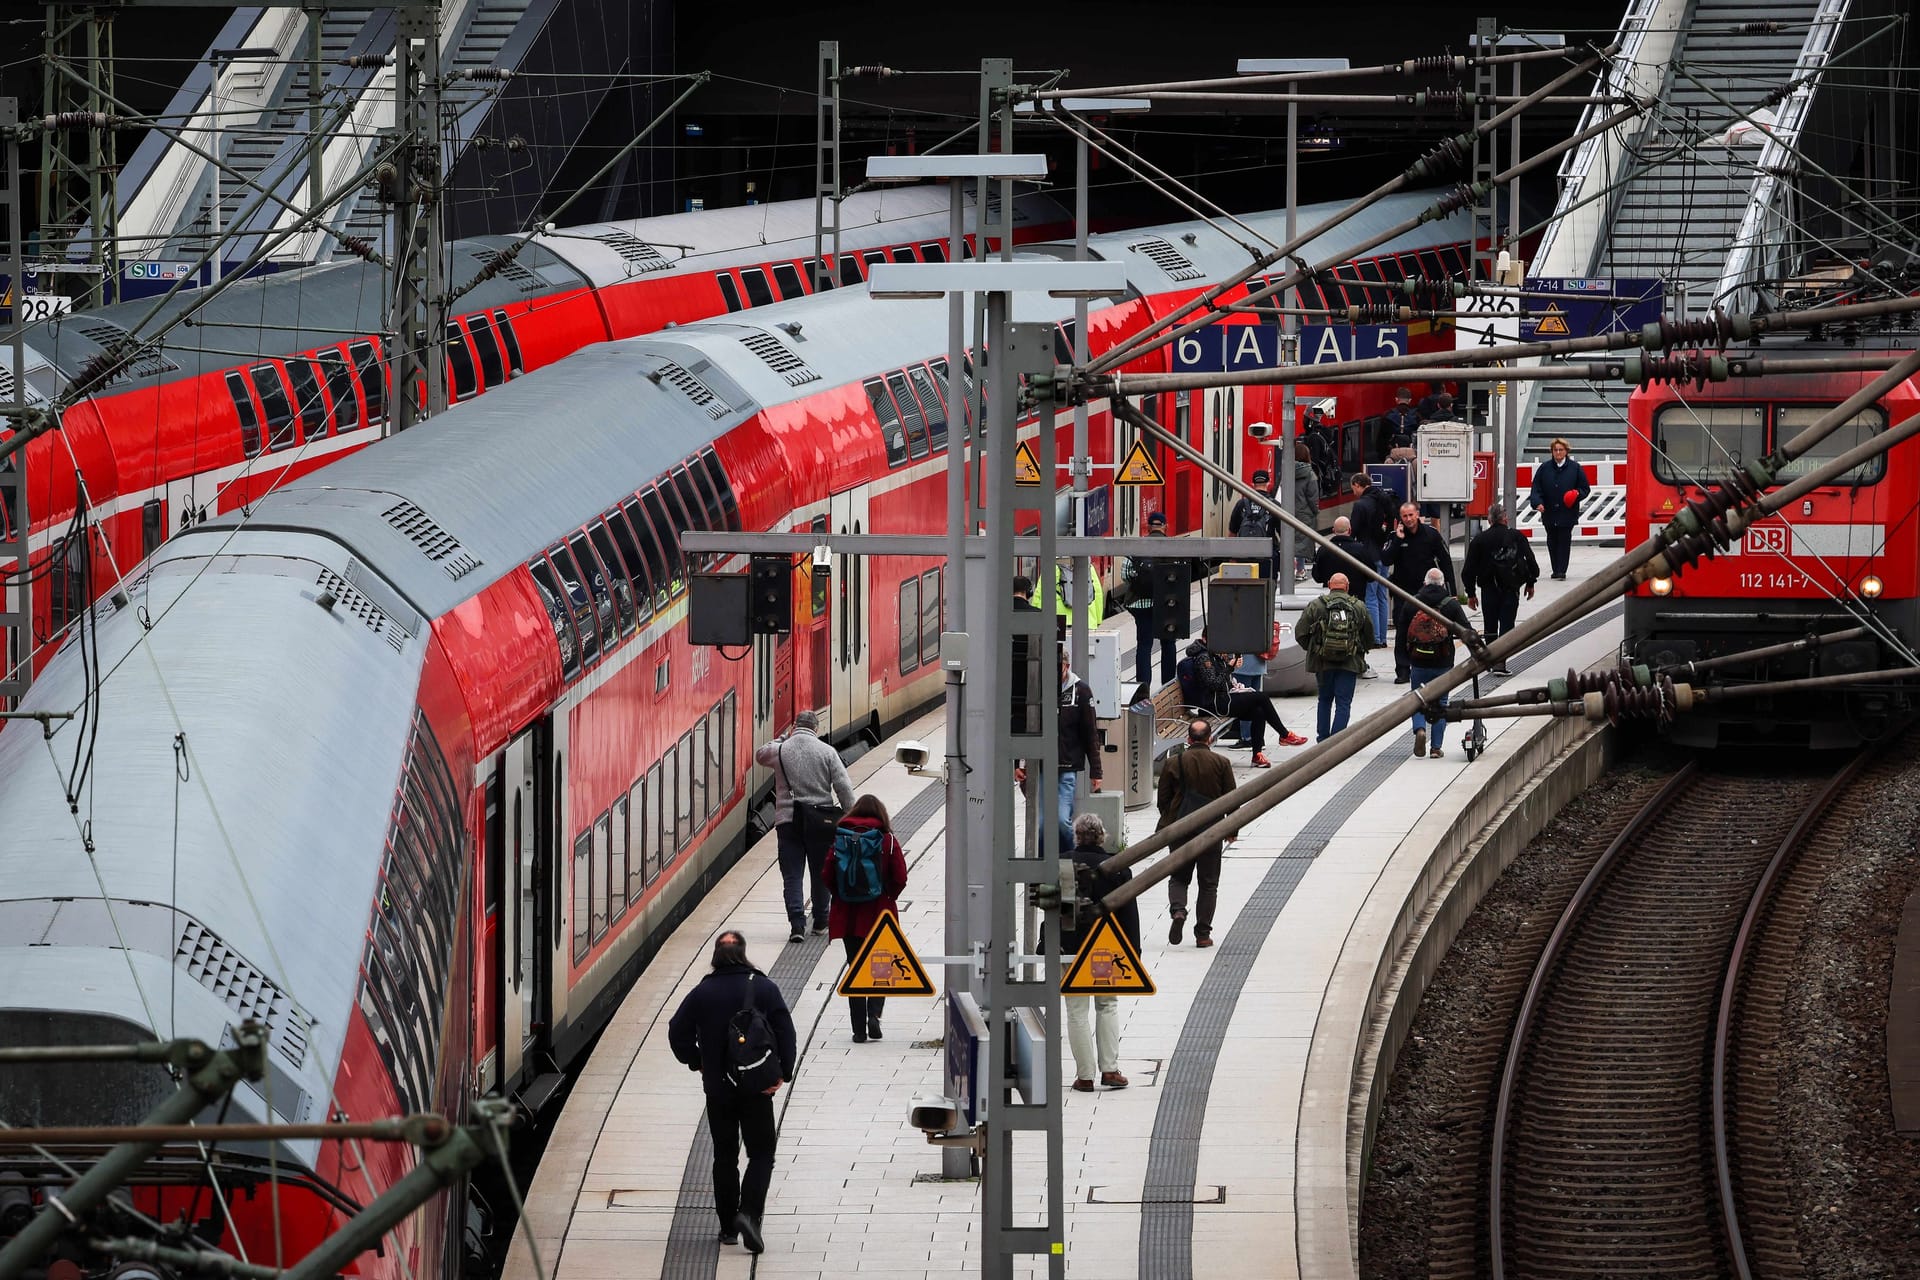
point(1171, 717)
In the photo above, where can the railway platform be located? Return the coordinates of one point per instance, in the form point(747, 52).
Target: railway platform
point(1252, 1071)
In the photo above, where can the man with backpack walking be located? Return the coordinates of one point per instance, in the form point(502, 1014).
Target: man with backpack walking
point(1198, 776)
point(866, 873)
point(1499, 565)
point(734, 1029)
point(810, 792)
point(1430, 646)
point(1333, 633)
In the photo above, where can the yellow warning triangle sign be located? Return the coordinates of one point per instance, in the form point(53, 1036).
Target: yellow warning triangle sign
point(1107, 966)
point(1138, 467)
point(1026, 467)
point(1553, 324)
point(885, 965)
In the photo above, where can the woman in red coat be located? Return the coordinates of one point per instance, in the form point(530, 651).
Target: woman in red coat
point(865, 875)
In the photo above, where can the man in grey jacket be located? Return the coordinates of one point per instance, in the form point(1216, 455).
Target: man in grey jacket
point(810, 792)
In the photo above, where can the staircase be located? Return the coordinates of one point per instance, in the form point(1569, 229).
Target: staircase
point(1676, 218)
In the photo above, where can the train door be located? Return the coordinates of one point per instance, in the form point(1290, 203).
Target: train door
point(852, 625)
point(523, 954)
point(821, 583)
point(1211, 438)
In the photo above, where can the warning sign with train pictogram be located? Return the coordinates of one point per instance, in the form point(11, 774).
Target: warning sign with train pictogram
point(1138, 467)
point(885, 964)
point(1107, 965)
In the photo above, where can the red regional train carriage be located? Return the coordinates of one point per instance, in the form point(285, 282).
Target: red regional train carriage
point(1842, 558)
point(412, 761)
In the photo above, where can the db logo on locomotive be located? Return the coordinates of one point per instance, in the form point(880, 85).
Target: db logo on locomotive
point(1766, 538)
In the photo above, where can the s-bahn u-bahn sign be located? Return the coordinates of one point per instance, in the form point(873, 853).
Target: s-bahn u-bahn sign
point(1236, 348)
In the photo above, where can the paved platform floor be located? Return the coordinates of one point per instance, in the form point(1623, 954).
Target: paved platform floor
point(1190, 1171)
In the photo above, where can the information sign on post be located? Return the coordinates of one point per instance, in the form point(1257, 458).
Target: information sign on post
point(1445, 468)
point(1588, 306)
point(1237, 348)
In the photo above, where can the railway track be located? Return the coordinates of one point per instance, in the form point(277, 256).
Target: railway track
point(1632, 1130)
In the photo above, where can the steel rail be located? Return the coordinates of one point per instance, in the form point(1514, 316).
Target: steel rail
point(1523, 1020)
point(1729, 992)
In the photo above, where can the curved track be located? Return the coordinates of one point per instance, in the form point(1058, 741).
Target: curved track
point(1610, 1153)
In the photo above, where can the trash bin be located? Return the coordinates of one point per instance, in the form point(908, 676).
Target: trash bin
point(1139, 755)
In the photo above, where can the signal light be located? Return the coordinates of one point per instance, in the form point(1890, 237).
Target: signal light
point(1662, 586)
point(1871, 587)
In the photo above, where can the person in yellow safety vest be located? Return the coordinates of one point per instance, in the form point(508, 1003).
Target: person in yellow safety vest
point(1096, 599)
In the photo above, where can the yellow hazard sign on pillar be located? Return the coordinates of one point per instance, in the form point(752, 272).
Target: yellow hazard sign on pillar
point(1106, 966)
point(885, 965)
point(1026, 467)
point(1553, 322)
point(1138, 467)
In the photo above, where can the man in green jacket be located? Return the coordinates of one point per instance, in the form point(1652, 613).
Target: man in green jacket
point(1333, 633)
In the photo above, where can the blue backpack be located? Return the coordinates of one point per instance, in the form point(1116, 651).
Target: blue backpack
point(856, 864)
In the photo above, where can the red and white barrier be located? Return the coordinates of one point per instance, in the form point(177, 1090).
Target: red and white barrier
point(1603, 516)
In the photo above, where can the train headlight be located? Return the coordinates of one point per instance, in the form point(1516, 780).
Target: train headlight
point(1871, 587)
point(1662, 586)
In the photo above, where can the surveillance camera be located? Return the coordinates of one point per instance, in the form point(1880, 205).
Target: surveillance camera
point(935, 1115)
point(1260, 430)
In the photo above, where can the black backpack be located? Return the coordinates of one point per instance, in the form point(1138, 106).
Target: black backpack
point(1255, 521)
point(1506, 561)
point(753, 1055)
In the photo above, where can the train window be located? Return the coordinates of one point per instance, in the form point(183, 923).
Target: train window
point(1311, 298)
point(933, 251)
point(707, 503)
point(697, 769)
point(819, 580)
point(911, 417)
point(1063, 343)
point(622, 581)
point(582, 895)
point(599, 582)
point(273, 403)
point(657, 846)
point(486, 342)
point(460, 360)
point(695, 513)
point(932, 611)
point(849, 270)
point(673, 567)
point(787, 276)
point(617, 854)
point(559, 614)
point(153, 525)
point(909, 625)
point(639, 841)
point(821, 272)
point(934, 408)
point(728, 290)
point(1792, 419)
point(904, 253)
point(873, 258)
point(602, 862)
point(309, 407)
point(683, 791)
point(889, 416)
point(758, 294)
point(373, 380)
point(249, 416)
point(515, 365)
point(1391, 272)
point(629, 546)
point(1430, 264)
point(339, 380)
point(729, 517)
point(578, 599)
point(1692, 443)
point(723, 747)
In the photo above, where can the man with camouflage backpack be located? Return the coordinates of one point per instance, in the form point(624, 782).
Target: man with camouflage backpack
point(1334, 632)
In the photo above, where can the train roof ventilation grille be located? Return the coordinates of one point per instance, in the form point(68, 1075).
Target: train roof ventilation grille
point(355, 602)
point(248, 992)
point(6, 389)
point(145, 364)
point(635, 252)
point(523, 279)
point(677, 377)
point(782, 361)
point(1169, 259)
point(434, 542)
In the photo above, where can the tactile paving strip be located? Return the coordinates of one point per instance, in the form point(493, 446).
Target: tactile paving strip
point(1173, 1154)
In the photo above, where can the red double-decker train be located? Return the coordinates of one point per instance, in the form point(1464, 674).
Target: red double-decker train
point(411, 761)
point(1842, 559)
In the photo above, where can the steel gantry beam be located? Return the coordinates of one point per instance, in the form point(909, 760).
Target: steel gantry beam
point(418, 320)
point(16, 605)
point(78, 168)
